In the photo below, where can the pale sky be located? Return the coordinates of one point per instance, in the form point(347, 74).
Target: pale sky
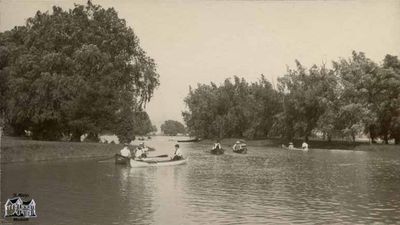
point(202, 41)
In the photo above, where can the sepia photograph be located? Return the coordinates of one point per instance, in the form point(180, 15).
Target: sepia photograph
point(195, 112)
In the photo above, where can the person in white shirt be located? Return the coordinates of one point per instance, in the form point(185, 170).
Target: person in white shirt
point(145, 149)
point(217, 145)
point(304, 146)
point(237, 146)
point(291, 145)
point(125, 152)
point(178, 153)
point(139, 152)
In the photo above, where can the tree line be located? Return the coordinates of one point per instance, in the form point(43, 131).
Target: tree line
point(172, 128)
point(68, 73)
point(355, 96)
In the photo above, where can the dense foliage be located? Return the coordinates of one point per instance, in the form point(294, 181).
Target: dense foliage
point(74, 72)
point(234, 109)
point(355, 96)
point(172, 128)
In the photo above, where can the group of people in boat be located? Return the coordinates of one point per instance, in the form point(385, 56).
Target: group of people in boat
point(141, 152)
point(239, 147)
point(138, 153)
point(304, 146)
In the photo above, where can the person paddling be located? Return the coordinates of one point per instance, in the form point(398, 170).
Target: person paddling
point(139, 153)
point(217, 146)
point(125, 152)
point(304, 146)
point(237, 146)
point(178, 153)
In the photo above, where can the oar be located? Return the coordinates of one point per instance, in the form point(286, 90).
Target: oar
point(158, 156)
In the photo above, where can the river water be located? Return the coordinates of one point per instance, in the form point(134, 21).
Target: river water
point(265, 186)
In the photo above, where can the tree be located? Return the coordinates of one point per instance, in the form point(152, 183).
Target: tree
point(74, 72)
point(306, 95)
point(233, 109)
point(4, 54)
point(172, 127)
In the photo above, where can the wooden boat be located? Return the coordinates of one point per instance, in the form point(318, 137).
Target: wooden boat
point(242, 150)
point(217, 151)
point(154, 163)
point(294, 149)
point(119, 159)
point(190, 140)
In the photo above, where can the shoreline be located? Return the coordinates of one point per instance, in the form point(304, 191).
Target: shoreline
point(313, 144)
point(15, 150)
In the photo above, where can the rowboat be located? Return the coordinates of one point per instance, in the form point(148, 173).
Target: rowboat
point(217, 151)
point(154, 163)
point(241, 150)
point(119, 159)
point(294, 149)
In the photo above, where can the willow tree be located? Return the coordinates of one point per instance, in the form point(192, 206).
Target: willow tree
point(74, 72)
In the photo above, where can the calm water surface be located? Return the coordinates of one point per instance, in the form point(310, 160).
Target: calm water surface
point(266, 186)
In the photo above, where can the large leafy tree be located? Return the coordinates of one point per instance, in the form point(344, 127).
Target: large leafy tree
point(233, 109)
point(305, 98)
point(74, 72)
point(371, 92)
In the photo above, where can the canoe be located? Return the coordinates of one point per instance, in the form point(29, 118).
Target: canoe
point(190, 140)
point(219, 151)
point(241, 151)
point(139, 163)
point(119, 159)
point(294, 149)
point(155, 159)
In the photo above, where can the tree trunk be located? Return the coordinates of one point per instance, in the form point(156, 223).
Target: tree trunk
point(372, 133)
point(94, 137)
point(76, 136)
point(386, 139)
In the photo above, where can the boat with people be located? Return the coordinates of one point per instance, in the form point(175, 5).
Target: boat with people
point(239, 147)
point(156, 163)
point(294, 149)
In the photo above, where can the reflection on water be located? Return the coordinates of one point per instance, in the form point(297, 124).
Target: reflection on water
point(265, 186)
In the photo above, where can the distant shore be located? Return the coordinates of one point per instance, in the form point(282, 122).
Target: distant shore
point(20, 150)
point(313, 144)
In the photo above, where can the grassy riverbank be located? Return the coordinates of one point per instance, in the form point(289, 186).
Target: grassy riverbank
point(313, 144)
point(19, 150)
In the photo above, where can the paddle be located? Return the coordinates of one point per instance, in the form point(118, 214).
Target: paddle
point(158, 156)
